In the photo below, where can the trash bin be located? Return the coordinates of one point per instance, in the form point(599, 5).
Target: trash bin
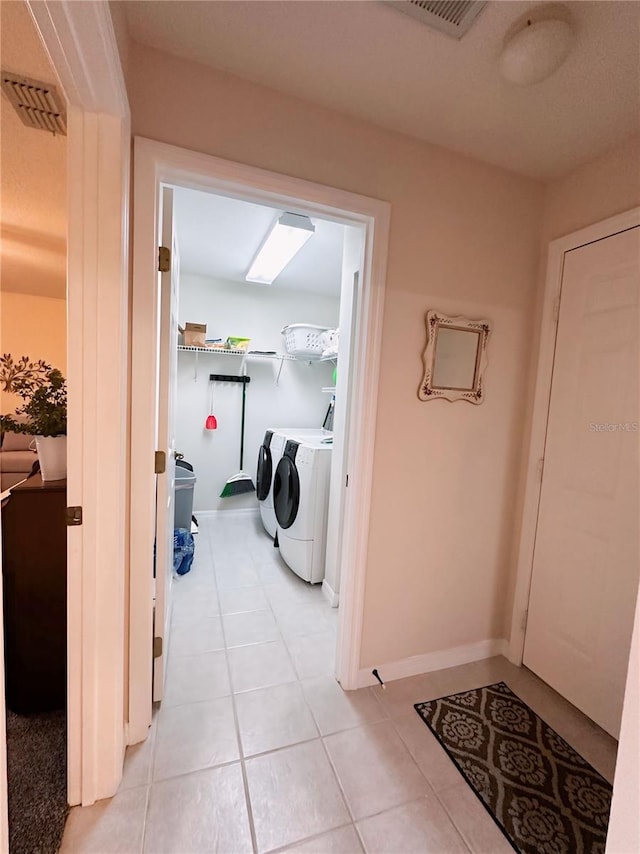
point(183, 503)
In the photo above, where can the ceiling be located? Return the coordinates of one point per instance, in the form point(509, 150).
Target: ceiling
point(368, 60)
point(219, 237)
point(33, 201)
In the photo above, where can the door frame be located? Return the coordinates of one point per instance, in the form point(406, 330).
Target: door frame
point(542, 399)
point(156, 163)
point(80, 41)
point(165, 494)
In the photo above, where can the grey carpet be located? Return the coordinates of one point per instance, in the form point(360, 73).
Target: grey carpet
point(37, 766)
point(543, 795)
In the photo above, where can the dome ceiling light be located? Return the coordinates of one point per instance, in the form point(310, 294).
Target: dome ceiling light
point(536, 46)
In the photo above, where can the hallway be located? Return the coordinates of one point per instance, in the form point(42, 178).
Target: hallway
point(257, 748)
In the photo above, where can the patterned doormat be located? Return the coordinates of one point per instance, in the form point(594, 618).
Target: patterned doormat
point(543, 795)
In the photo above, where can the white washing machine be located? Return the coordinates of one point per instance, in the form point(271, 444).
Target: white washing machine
point(269, 455)
point(301, 502)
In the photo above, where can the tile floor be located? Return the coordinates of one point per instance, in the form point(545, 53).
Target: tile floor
point(256, 748)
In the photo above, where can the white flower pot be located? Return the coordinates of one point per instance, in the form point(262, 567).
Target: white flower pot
point(52, 455)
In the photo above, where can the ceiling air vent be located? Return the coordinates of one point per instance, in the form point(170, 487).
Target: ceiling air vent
point(452, 17)
point(38, 104)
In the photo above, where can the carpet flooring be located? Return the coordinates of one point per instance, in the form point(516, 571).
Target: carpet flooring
point(543, 795)
point(36, 758)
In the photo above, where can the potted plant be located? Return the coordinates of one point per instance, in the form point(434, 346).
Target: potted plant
point(44, 412)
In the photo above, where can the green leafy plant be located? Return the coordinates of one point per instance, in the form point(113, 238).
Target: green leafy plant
point(44, 390)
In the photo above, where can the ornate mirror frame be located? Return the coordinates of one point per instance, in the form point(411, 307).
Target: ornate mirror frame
point(435, 322)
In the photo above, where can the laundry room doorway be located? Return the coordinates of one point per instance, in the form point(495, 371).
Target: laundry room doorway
point(259, 423)
point(276, 380)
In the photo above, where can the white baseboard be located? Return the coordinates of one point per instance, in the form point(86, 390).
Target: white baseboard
point(235, 511)
point(330, 594)
point(430, 661)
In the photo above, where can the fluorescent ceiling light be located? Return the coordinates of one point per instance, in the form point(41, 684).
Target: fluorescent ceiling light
point(286, 238)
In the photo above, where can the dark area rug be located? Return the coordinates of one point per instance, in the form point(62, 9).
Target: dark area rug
point(543, 795)
point(37, 772)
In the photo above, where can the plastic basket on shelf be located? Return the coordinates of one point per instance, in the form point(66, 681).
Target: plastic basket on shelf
point(305, 340)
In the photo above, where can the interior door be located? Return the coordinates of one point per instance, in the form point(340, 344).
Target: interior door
point(165, 482)
point(586, 559)
point(352, 262)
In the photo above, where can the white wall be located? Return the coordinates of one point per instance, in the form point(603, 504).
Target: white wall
point(256, 312)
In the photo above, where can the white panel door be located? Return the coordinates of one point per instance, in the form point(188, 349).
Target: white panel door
point(165, 483)
point(586, 559)
point(352, 253)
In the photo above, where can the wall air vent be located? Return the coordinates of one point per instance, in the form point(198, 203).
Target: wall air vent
point(452, 17)
point(38, 104)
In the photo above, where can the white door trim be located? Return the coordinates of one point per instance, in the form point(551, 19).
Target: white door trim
point(80, 41)
point(551, 305)
point(156, 163)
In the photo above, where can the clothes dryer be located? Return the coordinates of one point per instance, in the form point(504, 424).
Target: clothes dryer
point(301, 502)
point(269, 455)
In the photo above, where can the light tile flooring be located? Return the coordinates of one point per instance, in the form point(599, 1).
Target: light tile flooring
point(257, 748)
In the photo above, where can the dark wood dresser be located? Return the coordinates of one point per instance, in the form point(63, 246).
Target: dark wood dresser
point(34, 569)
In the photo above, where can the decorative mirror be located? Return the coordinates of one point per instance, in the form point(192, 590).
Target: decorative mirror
point(455, 358)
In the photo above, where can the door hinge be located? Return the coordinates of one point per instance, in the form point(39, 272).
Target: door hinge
point(160, 463)
point(157, 647)
point(74, 516)
point(164, 259)
point(540, 468)
point(525, 617)
point(346, 483)
point(556, 309)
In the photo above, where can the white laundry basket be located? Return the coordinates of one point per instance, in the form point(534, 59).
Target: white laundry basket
point(305, 340)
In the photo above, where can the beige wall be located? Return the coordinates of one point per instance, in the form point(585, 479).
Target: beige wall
point(607, 186)
point(33, 215)
point(35, 327)
point(33, 173)
point(464, 239)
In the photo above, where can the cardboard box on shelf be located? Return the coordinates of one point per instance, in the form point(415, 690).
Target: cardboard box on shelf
point(195, 334)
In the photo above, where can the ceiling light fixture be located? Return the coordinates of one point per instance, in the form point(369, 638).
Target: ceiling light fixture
point(537, 46)
point(286, 238)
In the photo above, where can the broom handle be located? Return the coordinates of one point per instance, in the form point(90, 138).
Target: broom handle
point(244, 398)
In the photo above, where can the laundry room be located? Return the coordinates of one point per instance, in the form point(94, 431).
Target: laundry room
point(241, 333)
point(259, 357)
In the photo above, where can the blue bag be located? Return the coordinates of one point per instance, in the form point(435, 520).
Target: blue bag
point(183, 549)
